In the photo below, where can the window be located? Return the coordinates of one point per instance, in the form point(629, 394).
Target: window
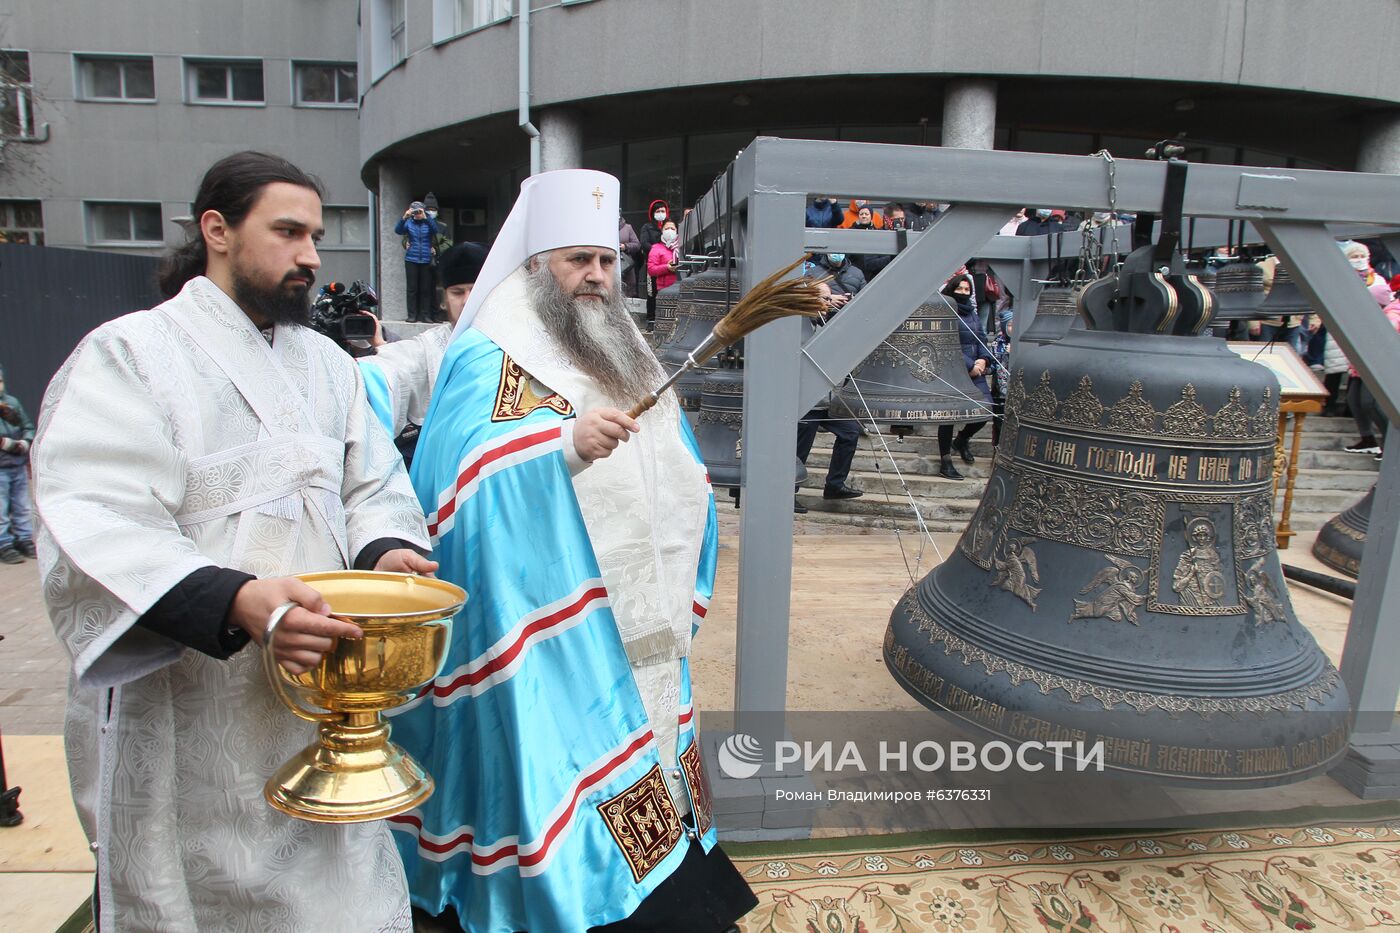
point(22, 222)
point(16, 95)
point(473, 14)
point(102, 78)
point(398, 34)
point(326, 85)
point(124, 223)
point(222, 82)
point(346, 227)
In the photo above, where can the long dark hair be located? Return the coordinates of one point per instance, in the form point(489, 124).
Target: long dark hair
point(231, 187)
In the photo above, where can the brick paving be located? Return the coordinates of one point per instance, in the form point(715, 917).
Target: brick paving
point(33, 665)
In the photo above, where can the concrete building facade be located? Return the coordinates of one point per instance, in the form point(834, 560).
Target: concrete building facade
point(125, 105)
point(663, 93)
point(389, 99)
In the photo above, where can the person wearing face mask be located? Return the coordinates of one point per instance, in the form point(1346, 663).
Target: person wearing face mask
point(846, 278)
point(978, 360)
point(1039, 221)
point(1011, 226)
point(824, 213)
point(658, 212)
point(418, 231)
point(1371, 422)
point(442, 242)
point(661, 261)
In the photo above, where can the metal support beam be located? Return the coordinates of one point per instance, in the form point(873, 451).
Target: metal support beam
point(1373, 637)
point(963, 176)
point(1372, 345)
point(1334, 291)
point(1299, 213)
point(883, 305)
point(771, 406)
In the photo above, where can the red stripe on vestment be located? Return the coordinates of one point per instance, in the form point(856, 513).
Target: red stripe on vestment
point(506, 657)
point(473, 470)
point(598, 776)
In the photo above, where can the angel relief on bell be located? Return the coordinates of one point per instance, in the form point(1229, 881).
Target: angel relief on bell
point(1115, 593)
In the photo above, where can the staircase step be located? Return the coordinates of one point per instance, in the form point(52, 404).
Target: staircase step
point(885, 522)
point(919, 485)
point(898, 506)
point(1337, 460)
point(1333, 480)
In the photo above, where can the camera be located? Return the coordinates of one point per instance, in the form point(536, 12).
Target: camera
point(344, 314)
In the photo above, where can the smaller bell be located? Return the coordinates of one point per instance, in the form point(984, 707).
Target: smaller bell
point(1239, 291)
point(916, 376)
point(1340, 542)
point(667, 301)
point(701, 304)
point(719, 431)
point(1055, 313)
point(1285, 298)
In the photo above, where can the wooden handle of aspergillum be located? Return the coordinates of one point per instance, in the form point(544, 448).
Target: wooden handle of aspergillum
point(646, 404)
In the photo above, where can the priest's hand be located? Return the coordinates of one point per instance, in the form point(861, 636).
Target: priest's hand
point(304, 634)
point(404, 560)
point(598, 432)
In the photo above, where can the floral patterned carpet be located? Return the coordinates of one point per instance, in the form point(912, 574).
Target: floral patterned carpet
point(1330, 875)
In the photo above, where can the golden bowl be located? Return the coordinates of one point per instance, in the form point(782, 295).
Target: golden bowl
point(352, 772)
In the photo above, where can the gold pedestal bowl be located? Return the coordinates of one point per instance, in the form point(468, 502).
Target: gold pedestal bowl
point(352, 773)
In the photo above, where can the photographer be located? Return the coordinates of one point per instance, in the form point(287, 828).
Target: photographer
point(16, 434)
point(399, 378)
point(420, 230)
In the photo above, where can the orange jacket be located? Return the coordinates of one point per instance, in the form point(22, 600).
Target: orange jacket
point(876, 217)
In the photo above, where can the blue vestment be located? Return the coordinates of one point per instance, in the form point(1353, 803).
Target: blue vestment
point(551, 811)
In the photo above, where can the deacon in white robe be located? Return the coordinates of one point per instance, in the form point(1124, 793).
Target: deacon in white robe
point(400, 376)
point(181, 453)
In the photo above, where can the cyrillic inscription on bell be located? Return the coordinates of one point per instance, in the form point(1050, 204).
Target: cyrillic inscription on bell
point(1119, 580)
point(917, 375)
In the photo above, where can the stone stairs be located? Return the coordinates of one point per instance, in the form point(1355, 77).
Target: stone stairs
point(1329, 480)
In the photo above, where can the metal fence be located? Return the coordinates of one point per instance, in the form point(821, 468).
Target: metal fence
point(51, 298)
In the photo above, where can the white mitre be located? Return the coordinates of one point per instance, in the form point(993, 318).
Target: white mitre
point(569, 207)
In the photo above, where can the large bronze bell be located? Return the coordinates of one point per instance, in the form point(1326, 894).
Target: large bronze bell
point(1340, 542)
point(1119, 580)
point(667, 300)
point(700, 306)
point(916, 376)
point(1056, 310)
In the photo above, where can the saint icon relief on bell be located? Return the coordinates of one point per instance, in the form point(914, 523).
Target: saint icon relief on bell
point(1199, 578)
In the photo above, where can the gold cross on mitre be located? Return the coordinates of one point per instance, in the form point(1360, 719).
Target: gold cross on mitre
point(598, 199)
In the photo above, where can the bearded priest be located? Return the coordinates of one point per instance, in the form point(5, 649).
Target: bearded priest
point(188, 459)
point(571, 794)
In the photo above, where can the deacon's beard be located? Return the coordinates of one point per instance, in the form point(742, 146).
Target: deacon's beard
point(599, 335)
point(282, 304)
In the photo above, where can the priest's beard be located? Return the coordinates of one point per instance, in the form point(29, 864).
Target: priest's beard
point(600, 337)
point(288, 302)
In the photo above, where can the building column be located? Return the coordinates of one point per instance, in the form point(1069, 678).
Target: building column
point(395, 194)
point(1379, 151)
point(970, 113)
point(561, 139)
